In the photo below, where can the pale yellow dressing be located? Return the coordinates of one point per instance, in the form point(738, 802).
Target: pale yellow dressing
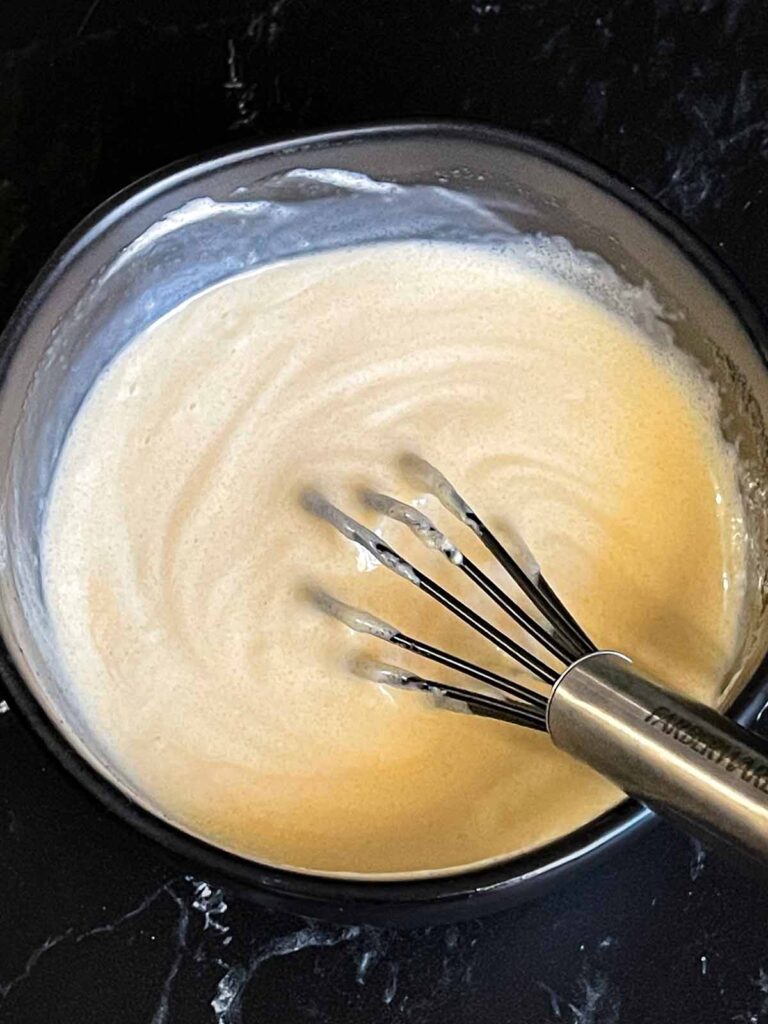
point(176, 548)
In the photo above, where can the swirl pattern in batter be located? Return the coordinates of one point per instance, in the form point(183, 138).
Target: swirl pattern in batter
point(176, 549)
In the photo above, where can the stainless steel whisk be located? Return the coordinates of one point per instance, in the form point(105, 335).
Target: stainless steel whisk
point(676, 755)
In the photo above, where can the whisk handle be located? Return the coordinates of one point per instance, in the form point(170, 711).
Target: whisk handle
point(680, 758)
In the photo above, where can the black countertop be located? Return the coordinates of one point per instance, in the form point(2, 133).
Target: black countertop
point(95, 926)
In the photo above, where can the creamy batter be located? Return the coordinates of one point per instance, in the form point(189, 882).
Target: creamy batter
point(176, 549)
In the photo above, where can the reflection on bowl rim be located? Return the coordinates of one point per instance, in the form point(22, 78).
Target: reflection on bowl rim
point(420, 900)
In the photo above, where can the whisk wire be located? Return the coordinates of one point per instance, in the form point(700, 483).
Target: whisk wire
point(458, 664)
point(533, 585)
point(476, 703)
point(567, 642)
point(540, 593)
point(462, 611)
point(426, 531)
point(363, 622)
point(387, 556)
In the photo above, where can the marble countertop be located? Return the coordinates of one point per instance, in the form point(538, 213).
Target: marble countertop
point(95, 925)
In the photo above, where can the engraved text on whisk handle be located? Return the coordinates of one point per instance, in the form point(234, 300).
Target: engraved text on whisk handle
point(706, 744)
point(683, 759)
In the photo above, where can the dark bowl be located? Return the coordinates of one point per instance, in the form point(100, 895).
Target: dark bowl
point(117, 272)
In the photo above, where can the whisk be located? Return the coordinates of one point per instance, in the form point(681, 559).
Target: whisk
point(677, 756)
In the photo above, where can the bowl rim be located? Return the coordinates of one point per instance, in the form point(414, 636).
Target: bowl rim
point(396, 901)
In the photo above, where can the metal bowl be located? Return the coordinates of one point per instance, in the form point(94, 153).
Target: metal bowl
point(180, 230)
